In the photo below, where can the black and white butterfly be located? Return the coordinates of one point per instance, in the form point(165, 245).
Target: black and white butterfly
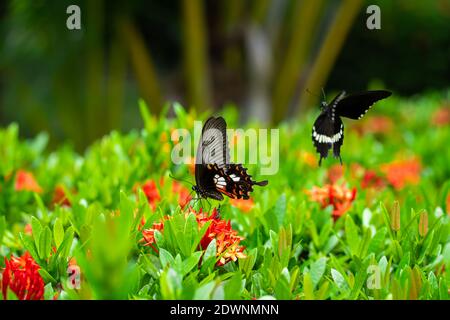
point(215, 176)
point(328, 129)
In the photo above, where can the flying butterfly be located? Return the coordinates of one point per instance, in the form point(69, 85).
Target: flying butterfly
point(328, 129)
point(215, 176)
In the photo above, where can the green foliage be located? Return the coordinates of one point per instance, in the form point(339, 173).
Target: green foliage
point(294, 248)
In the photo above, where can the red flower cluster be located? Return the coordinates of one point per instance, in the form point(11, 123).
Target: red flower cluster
point(340, 197)
point(375, 125)
point(402, 172)
point(25, 181)
point(371, 180)
point(60, 197)
point(152, 193)
point(21, 276)
point(227, 239)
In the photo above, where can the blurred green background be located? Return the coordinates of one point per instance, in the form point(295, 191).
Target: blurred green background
point(261, 55)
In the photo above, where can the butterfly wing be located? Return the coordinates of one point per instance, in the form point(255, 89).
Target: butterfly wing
point(212, 155)
point(356, 105)
point(237, 183)
point(327, 134)
point(213, 145)
point(214, 175)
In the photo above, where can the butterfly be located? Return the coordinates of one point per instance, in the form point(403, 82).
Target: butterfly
point(328, 129)
point(215, 176)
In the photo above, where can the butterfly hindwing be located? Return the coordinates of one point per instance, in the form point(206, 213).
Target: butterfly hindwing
point(356, 105)
point(239, 183)
point(205, 180)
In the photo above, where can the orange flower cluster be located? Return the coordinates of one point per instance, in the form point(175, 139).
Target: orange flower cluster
point(25, 181)
point(227, 239)
point(441, 117)
point(402, 172)
point(340, 197)
point(21, 276)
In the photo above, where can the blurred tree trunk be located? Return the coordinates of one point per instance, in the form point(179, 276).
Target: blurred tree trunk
point(94, 112)
point(306, 18)
point(331, 46)
point(196, 54)
point(259, 72)
point(142, 64)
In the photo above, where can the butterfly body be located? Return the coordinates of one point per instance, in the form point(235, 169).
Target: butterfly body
point(215, 176)
point(328, 129)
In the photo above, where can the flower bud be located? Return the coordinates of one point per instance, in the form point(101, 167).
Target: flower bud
point(423, 223)
point(395, 216)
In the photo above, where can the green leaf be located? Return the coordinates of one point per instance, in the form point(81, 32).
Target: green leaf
point(36, 228)
point(204, 291)
point(30, 246)
point(47, 277)
point(443, 290)
point(377, 242)
point(308, 287)
point(339, 280)
point(191, 262)
point(49, 293)
point(58, 232)
point(166, 258)
point(45, 243)
point(317, 270)
point(171, 284)
point(233, 287)
point(2, 228)
point(351, 234)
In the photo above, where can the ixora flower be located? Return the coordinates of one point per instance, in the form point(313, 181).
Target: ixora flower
point(25, 181)
point(227, 239)
point(340, 197)
point(402, 172)
point(151, 192)
point(21, 276)
point(374, 125)
point(371, 180)
point(60, 197)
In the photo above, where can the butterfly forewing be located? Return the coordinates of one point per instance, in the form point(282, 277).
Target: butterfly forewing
point(356, 105)
point(213, 145)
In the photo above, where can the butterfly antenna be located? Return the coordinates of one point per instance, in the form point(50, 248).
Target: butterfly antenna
point(324, 96)
point(179, 179)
